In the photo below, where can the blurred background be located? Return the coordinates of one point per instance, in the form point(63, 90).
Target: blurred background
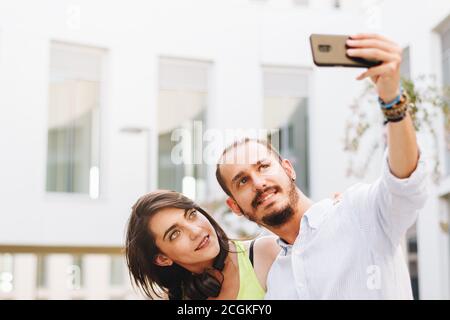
point(91, 93)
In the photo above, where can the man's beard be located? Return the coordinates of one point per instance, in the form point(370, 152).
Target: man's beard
point(279, 217)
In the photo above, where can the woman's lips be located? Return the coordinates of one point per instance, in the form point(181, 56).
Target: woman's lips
point(203, 243)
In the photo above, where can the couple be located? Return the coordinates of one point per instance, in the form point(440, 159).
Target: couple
point(348, 249)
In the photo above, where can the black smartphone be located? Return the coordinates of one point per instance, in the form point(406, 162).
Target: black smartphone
point(329, 50)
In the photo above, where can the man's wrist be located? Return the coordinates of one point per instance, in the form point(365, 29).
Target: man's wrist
point(389, 96)
point(387, 102)
point(389, 99)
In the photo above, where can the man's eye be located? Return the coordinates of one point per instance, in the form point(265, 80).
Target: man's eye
point(174, 235)
point(243, 180)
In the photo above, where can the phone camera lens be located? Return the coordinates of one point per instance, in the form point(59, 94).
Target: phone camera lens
point(324, 48)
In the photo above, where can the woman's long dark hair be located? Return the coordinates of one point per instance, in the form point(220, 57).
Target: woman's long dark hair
point(174, 280)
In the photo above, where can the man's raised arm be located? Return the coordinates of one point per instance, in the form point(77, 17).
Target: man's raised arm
point(402, 144)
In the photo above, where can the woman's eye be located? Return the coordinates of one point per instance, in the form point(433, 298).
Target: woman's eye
point(263, 166)
point(193, 214)
point(174, 235)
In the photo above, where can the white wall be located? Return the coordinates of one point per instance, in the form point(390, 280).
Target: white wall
point(237, 36)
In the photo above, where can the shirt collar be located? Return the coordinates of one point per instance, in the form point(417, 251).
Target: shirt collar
point(286, 247)
point(317, 212)
point(313, 217)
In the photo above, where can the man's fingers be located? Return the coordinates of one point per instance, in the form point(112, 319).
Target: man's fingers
point(373, 54)
point(374, 43)
point(374, 72)
point(374, 78)
point(371, 36)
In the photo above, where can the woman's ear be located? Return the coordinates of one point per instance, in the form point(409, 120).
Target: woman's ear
point(162, 260)
point(233, 206)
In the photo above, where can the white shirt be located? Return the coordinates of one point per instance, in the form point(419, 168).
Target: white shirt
point(351, 249)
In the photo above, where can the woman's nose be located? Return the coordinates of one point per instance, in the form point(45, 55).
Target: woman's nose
point(195, 232)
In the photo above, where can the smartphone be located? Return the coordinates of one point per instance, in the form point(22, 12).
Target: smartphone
point(330, 51)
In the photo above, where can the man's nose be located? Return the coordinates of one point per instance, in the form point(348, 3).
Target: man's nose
point(259, 182)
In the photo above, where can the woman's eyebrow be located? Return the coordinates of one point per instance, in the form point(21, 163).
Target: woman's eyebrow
point(170, 229)
point(186, 211)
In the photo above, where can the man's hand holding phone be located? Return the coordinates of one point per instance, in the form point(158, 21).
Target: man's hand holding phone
point(381, 56)
point(386, 76)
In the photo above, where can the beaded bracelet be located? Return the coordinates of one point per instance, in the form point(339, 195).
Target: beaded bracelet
point(398, 111)
point(392, 103)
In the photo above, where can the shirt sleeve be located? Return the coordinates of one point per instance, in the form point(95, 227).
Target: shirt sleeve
point(390, 205)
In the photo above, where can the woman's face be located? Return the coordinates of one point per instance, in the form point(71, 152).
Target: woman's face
point(185, 237)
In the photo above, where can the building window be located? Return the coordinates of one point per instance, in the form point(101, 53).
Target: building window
point(6, 273)
point(73, 119)
point(41, 272)
point(286, 112)
point(182, 107)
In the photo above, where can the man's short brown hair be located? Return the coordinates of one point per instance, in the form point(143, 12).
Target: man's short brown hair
point(235, 144)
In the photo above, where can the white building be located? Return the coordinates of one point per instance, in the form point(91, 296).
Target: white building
point(91, 91)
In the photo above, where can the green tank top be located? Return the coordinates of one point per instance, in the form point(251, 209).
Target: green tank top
point(249, 286)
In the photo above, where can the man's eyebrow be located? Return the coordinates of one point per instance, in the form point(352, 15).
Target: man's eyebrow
point(236, 177)
point(261, 161)
point(241, 173)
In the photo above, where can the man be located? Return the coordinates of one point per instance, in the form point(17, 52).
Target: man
point(347, 249)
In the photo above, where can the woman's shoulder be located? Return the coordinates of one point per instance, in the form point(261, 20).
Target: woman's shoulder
point(268, 239)
point(264, 245)
point(267, 246)
point(265, 251)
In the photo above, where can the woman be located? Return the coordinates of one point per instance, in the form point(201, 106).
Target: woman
point(174, 245)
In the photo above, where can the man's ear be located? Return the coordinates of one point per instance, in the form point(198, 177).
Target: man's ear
point(289, 168)
point(233, 206)
point(162, 260)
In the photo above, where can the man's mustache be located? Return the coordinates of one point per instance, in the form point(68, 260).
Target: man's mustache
point(255, 202)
